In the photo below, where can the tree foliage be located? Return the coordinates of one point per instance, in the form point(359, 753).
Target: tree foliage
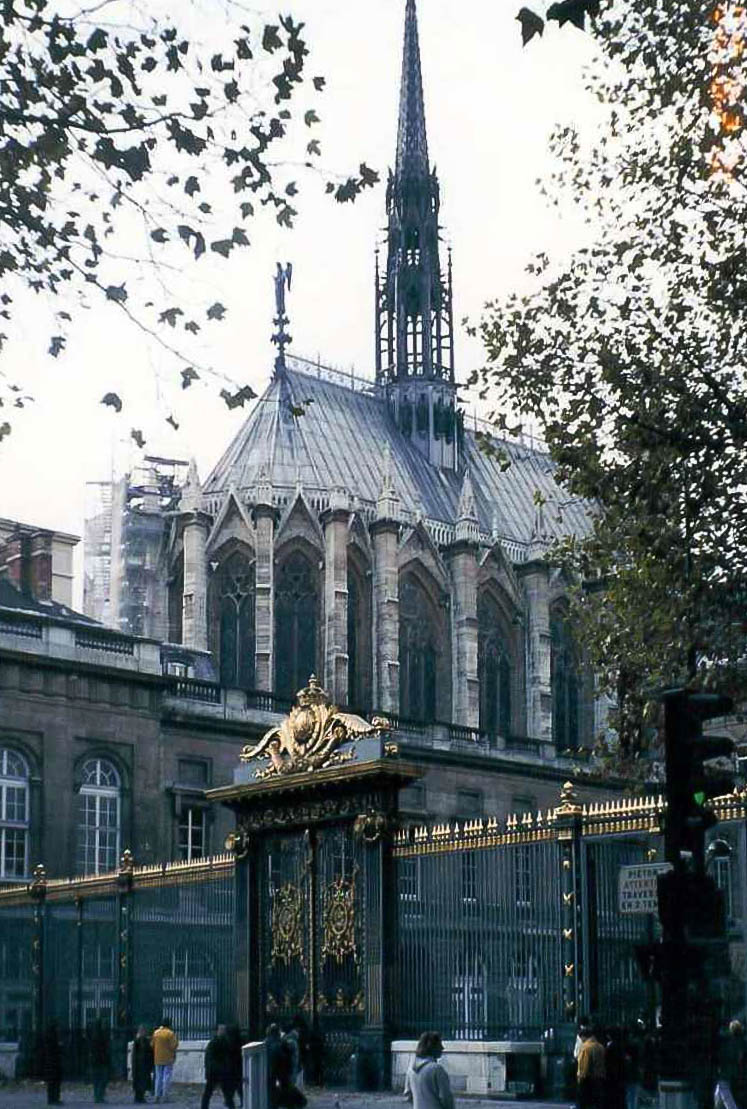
point(631, 355)
point(170, 135)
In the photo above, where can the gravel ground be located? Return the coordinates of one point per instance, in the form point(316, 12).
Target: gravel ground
point(32, 1095)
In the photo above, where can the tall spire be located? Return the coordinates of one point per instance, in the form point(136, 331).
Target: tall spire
point(412, 143)
point(414, 318)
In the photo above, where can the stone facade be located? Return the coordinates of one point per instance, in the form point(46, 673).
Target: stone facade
point(76, 695)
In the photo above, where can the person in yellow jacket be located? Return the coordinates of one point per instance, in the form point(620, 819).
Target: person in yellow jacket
point(164, 1044)
point(591, 1071)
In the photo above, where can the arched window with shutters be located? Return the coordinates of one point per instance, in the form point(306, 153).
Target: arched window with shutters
point(99, 817)
point(418, 652)
point(565, 682)
point(296, 606)
point(14, 814)
point(495, 668)
point(235, 606)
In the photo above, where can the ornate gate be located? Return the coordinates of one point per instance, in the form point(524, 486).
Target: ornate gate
point(316, 803)
point(311, 913)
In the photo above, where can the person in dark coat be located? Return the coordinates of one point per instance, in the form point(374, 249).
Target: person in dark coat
point(236, 1071)
point(52, 1063)
point(218, 1068)
point(99, 1053)
point(142, 1064)
point(614, 1062)
point(283, 1092)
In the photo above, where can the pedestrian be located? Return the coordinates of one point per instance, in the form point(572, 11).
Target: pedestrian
point(293, 1040)
point(583, 1025)
point(590, 1072)
point(632, 1068)
point(99, 1054)
point(283, 1093)
point(236, 1063)
point(218, 1068)
point(142, 1064)
point(164, 1044)
point(427, 1084)
point(52, 1063)
point(732, 1069)
point(614, 1065)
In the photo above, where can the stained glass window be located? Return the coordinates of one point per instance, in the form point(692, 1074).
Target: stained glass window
point(236, 622)
point(565, 683)
point(494, 669)
point(296, 602)
point(417, 653)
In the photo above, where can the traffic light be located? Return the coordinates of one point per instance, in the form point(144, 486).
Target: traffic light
point(691, 782)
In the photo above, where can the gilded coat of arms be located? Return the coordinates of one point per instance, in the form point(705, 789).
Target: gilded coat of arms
point(310, 737)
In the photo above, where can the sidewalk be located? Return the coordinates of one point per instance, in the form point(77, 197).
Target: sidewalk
point(32, 1095)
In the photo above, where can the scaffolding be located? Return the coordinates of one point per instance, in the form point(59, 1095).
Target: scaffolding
point(124, 533)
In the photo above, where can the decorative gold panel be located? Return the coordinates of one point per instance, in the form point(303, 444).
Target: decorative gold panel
point(288, 925)
point(339, 920)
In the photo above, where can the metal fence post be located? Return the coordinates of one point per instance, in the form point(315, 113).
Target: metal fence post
point(374, 830)
point(124, 963)
point(568, 829)
point(38, 893)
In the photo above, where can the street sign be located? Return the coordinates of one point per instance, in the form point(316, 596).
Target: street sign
point(636, 887)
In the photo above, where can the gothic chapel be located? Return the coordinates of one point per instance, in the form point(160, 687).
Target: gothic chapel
point(356, 530)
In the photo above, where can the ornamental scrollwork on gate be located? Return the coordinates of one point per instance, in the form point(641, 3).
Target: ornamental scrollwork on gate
point(311, 736)
point(339, 920)
point(287, 925)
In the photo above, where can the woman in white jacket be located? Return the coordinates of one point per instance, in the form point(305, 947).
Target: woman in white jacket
point(427, 1084)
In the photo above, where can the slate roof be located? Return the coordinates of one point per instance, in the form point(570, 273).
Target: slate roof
point(340, 441)
point(10, 597)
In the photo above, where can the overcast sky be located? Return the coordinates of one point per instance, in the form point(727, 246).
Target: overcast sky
point(490, 107)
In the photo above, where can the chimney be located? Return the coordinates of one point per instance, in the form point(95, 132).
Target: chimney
point(27, 560)
point(17, 552)
point(40, 565)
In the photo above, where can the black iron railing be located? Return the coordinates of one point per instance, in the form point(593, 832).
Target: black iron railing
point(27, 626)
point(267, 702)
point(193, 689)
point(99, 640)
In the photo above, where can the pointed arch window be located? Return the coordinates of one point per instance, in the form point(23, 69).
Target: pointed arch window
point(359, 636)
point(236, 622)
point(99, 817)
point(14, 814)
point(417, 653)
point(296, 604)
point(176, 602)
point(495, 670)
point(565, 682)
